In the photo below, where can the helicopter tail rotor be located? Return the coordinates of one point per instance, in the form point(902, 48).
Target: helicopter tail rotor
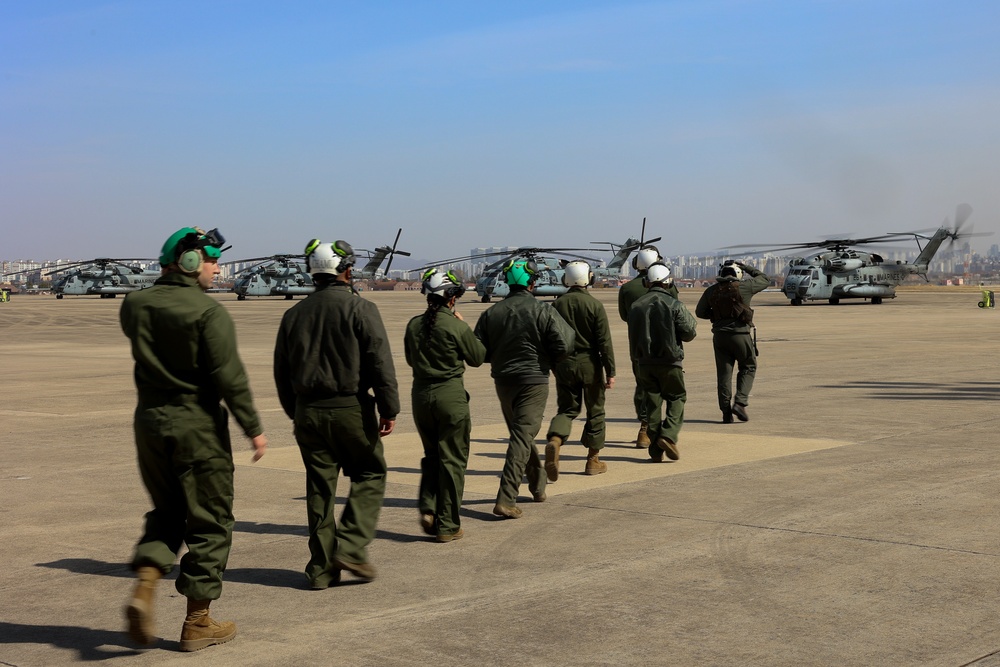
point(393, 252)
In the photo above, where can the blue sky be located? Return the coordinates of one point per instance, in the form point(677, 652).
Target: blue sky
point(492, 123)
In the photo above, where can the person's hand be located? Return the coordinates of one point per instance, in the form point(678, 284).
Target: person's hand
point(610, 383)
point(459, 315)
point(385, 426)
point(259, 447)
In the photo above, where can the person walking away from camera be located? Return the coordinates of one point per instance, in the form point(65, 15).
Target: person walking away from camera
point(186, 362)
point(658, 327)
point(524, 338)
point(727, 305)
point(583, 376)
point(627, 295)
point(438, 345)
point(330, 353)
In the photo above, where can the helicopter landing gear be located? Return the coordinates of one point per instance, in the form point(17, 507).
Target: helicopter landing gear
point(288, 297)
point(241, 297)
point(876, 300)
point(59, 296)
point(834, 301)
point(796, 301)
point(486, 299)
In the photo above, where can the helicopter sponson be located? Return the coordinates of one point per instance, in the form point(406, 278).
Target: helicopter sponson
point(844, 264)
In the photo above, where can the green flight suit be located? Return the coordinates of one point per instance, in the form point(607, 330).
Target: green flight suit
point(658, 327)
point(330, 351)
point(184, 346)
point(627, 295)
point(580, 377)
point(732, 341)
point(441, 410)
point(524, 338)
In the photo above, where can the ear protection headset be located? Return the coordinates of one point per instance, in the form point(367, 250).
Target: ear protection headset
point(192, 248)
point(189, 254)
point(346, 254)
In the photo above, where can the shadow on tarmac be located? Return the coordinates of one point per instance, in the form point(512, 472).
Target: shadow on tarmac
point(923, 391)
point(88, 643)
point(91, 566)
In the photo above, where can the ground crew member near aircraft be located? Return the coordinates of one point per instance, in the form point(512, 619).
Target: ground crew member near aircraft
point(184, 346)
point(330, 352)
point(727, 305)
point(581, 377)
point(658, 327)
point(627, 295)
point(524, 338)
point(438, 345)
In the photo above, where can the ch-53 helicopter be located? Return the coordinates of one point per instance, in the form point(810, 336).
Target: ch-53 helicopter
point(491, 282)
point(842, 272)
point(287, 276)
point(102, 276)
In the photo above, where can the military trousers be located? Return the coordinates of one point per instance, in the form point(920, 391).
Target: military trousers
point(523, 406)
point(186, 464)
point(639, 396)
point(579, 384)
point(441, 414)
point(332, 438)
point(663, 384)
point(734, 349)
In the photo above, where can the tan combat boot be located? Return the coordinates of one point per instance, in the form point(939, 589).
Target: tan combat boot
point(200, 631)
point(595, 466)
point(642, 440)
point(552, 458)
point(139, 610)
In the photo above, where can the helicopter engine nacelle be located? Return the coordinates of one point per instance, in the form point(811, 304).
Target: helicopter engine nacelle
point(841, 264)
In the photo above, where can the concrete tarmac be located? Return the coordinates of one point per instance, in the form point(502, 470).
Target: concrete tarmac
point(851, 521)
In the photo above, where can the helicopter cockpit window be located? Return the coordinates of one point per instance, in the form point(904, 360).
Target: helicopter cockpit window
point(815, 275)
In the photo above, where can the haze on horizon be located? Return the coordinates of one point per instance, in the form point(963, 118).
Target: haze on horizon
point(492, 124)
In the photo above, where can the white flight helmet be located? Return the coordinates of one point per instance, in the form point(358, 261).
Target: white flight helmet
point(645, 257)
point(577, 274)
point(729, 268)
point(658, 272)
point(329, 258)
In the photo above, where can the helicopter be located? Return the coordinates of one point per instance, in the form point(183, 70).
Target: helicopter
point(286, 275)
point(491, 282)
point(842, 272)
point(104, 276)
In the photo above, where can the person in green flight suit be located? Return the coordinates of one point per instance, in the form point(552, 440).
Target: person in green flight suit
point(658, 327)
point(627, 295)
point(331, 351)
point(524, 338)
point(186, 362)
point(438, 344)
point(727, 305)
point(584, 374)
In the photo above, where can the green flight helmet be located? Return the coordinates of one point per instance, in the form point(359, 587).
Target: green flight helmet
point(520, 272)
point(183, 239)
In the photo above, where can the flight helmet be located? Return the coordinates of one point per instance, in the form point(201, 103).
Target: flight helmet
point(577, 274)
point(645, 257)
point(658, 272)
point(329, 258)
point(189, 245)
point(442, 283)
point(729, 269)
point(520, 272)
